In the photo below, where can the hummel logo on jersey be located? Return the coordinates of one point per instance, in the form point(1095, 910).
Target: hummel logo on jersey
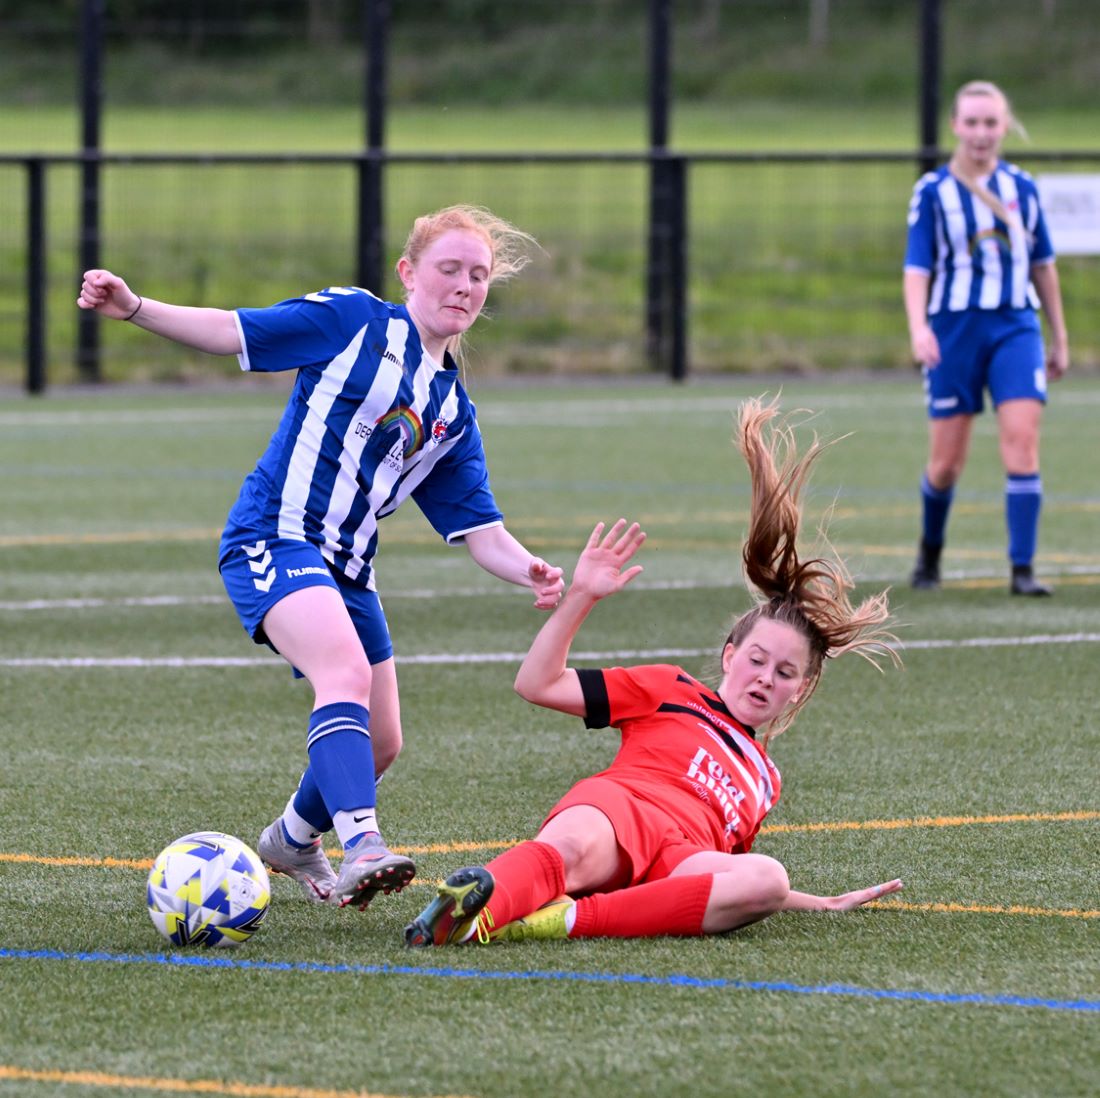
point(260, 560)
point(387, 354)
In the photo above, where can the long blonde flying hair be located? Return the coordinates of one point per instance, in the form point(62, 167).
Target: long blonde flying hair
point(509, 247)
point(809, 595)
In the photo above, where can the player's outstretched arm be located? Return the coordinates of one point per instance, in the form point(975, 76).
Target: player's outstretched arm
point(803, 901)
point(501, 555)
point(211, 330)
point(543, 677)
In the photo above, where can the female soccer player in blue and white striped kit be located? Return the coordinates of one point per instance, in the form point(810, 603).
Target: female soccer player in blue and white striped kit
point(377, 415)
point(979, 262)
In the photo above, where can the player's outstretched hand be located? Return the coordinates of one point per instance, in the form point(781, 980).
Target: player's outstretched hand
point(599, 571)
point(547, 582)
point(861, 896)
point(107, 294)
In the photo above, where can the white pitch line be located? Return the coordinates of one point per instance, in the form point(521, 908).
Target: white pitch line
point(1001, 642)
point(442, 658)
point(138, 417)
point(498, 407)
point(98, 603)
point(408, 593)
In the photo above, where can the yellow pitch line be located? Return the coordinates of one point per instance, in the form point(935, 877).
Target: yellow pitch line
point(177, 1086)
point(409, 535)
point(933, 821)
point(773, 829)
point(15, 541)
point(147, 863)
point(984, 909)
point(848, 549)
point(77, 860)
point(993, 581)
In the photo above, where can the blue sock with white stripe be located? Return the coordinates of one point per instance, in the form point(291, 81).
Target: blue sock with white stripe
point(341, 760)
point(935, 505)
point(1023, 502)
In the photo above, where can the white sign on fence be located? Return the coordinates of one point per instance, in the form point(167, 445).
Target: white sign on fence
point(1071, 205)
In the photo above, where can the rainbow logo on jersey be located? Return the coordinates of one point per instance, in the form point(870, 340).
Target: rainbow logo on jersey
point(998, 236)
point(408, 423)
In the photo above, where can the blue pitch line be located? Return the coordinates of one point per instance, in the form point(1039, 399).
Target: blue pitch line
point(1086, 1006)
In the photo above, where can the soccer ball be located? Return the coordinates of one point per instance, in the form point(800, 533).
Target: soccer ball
point(208, 888)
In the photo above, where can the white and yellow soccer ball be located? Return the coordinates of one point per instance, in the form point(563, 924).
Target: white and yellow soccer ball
point(208, 889)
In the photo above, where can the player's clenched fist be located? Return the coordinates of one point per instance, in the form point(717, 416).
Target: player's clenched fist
point(107, 294)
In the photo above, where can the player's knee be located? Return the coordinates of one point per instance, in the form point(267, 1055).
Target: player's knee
point(574, 847)
point(584, 858)
point(1020, 454)
point(771, 885)
point(348, 680)
point(943, 473)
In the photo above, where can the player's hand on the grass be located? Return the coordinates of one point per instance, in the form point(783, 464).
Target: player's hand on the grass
point(861, 896)
point(599, 571)
point(547, 581)
point(107, 294)
point(925, 347)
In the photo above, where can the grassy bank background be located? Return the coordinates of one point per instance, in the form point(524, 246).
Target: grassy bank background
point(790, 266)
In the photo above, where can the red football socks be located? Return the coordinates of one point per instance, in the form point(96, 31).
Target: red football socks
point(533, 874)
point(674, 906)
point(526, 877)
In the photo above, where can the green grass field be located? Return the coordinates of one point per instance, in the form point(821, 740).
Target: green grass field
point(136, 710)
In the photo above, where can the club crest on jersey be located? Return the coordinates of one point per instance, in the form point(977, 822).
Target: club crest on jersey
point(439, 429)
point(408, 424)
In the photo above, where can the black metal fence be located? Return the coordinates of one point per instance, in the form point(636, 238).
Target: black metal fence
point(767, 260)
point(666, 226)
point(655, 260)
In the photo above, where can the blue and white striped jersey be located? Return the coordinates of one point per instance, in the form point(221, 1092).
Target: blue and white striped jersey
point(974, 259)
point(371, 420)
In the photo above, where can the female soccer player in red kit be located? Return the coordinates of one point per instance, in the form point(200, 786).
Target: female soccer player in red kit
point(660, 842)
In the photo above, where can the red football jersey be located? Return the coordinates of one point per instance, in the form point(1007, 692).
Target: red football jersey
point(683, 751)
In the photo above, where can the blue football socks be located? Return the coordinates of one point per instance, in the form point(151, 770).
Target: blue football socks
point(1023, 502)
point(936, 504)
point(341, 762)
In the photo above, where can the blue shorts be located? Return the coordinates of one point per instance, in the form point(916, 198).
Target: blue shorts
point(258, 575)
point(999, 350)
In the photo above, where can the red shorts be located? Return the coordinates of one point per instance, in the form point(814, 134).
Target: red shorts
point(649, 838)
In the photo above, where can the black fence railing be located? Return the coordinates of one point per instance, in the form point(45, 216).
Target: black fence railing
point(668, 260)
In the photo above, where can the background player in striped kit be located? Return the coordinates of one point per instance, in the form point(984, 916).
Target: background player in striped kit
point(978, 263)
point(659, 843)
point(377, 414)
